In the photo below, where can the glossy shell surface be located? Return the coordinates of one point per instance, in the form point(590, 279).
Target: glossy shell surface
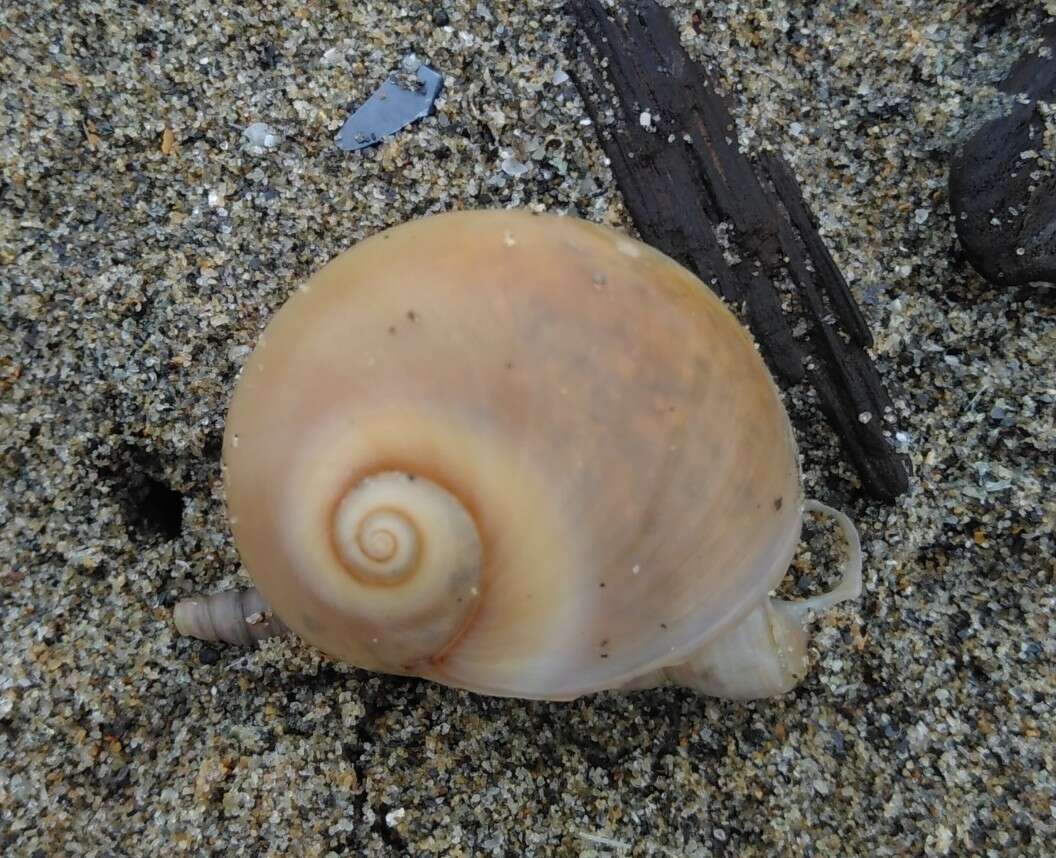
point(604, 420)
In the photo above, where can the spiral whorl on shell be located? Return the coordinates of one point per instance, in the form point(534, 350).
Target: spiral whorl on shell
point(413, 540)
point(394, 527)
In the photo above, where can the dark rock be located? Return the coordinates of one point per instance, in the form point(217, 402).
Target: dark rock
point(1005, 204)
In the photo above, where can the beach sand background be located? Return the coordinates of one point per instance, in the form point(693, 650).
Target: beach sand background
point(145, 241)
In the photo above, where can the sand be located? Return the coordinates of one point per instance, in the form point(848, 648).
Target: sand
point(145, 240)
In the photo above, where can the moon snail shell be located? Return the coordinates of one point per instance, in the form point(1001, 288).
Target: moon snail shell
point(523, 455)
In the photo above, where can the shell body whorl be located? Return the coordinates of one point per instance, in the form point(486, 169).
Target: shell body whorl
point(519, 454)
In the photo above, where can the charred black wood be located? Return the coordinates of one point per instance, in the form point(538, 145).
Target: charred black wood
point(1002, 195)
point(740, 224)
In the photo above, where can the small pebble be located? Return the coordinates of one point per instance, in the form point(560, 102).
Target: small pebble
point(513, 167)
point(260, 136)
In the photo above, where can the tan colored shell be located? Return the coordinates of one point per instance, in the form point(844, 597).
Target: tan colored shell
point(603, 421)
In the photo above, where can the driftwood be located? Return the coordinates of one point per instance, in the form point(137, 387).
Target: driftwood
point(742, 225)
